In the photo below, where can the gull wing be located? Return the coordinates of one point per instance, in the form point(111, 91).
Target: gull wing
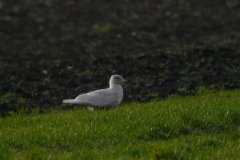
point(101, 98)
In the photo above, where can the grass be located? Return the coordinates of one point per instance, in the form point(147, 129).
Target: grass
point(82, 73)
point(6, 96)
point(196, 127)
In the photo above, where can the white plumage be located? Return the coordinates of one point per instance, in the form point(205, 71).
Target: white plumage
point(104, 98)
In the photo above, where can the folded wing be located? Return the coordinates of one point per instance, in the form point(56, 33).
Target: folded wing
point(101, 98)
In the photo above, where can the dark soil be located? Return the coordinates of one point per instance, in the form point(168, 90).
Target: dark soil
point(53, 50)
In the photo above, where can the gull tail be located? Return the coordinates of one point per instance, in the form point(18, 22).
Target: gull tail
point(74, 101)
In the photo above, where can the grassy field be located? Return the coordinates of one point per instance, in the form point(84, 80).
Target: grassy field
point(196, 127)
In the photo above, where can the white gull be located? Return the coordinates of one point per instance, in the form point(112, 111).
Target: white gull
point(104, 98)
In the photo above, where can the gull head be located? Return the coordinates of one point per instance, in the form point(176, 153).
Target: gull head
point(116, 79)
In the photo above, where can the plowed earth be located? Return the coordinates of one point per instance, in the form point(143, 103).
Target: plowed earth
point(53, 50)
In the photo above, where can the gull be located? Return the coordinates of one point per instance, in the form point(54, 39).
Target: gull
point(104, 98)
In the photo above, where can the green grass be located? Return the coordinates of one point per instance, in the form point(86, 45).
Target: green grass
point(197, 127)
point(82, 73)
point(6, 96)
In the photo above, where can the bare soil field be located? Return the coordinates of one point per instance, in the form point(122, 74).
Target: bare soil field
point(53, 50)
